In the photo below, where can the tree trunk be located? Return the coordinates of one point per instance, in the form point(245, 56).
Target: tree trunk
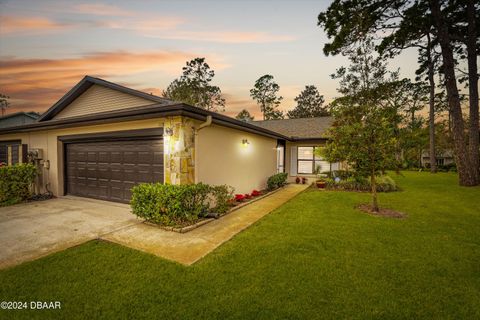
point(373, 182)
point(431, 112)
point(474, 132)
point(465, 172)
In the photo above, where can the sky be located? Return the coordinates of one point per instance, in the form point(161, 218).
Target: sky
point(46, 47)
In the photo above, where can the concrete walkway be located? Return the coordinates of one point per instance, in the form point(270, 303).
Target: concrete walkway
point(187, 248)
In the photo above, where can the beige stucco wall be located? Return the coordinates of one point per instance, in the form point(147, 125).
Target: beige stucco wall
point(53, 149)
point(222, 159)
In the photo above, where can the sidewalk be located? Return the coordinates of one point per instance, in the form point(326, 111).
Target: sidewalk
point(187, 248)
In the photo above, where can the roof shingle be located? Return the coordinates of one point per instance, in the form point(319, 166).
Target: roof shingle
point(303, 128)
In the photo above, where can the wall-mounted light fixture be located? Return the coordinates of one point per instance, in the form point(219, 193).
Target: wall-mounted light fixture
point(245, 142)
point(169, 132)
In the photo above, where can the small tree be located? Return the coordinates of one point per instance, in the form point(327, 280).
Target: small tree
point(309, 104)
point(264, 92)
point(244, 115)
point(363, 134)
point(4, 103)
point(194, 87)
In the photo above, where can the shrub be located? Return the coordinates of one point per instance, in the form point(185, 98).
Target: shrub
point(222, 198)
point(276, 181)
point(16, 182)
point(170, 205)
point(384, 184)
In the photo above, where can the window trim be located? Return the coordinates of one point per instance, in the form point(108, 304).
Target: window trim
point(315, 159)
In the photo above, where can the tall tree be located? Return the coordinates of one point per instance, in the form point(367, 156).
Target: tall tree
point(265, 93)
point(194, 87)
point(363, 133)
point(309, 104)
point(4, 103)
point(348, 21)
point(244, 115)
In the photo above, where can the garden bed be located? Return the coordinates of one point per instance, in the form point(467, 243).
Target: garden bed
point(189, 227)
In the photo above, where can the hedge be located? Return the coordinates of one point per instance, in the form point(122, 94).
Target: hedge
point(172, 205)
point(16, 182)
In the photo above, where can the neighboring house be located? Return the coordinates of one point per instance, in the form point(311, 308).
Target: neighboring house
point(101, 139)
point(18, 118)
point(443, 158)
point(306, 135)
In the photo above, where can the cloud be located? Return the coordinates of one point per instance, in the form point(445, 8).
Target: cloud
point(223, 36)
point(100, 9)
point(35, 84)
point(31, 25)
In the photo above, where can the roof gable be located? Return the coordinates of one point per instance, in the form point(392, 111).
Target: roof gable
point(93, 95)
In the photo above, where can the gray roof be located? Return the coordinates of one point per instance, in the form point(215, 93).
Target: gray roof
point(298, 129)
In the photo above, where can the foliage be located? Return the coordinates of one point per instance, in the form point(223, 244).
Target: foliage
point(265, 92)
point(397, 25)
point(222, 195)
point(168, 204)
point(364, 131)
point(16, 182)
point(171, 205)
point(277, 180)
point(309, 104)
point(244, 115)
point(194, 87)
point(383, 184)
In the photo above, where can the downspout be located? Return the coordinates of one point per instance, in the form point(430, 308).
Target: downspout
point(202, 125)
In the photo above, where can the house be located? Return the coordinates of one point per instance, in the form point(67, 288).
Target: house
point(100, 139)
point(443, 158)
point(306, 135)
point(18, 118)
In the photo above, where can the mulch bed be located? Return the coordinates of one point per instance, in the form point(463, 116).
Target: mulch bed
point(383, 212)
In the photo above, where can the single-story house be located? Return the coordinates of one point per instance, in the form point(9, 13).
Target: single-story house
point(442, 158)
point(18, 118)
point(101, 138)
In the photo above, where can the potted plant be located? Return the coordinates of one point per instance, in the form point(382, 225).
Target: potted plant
point(297, 180)
point(304, 180)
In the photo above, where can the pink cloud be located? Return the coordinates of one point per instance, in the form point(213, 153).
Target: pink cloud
point(35, 84)
point(20, 25)
point(100, 9)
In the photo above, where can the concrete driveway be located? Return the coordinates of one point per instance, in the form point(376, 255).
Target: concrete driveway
point(32, 230)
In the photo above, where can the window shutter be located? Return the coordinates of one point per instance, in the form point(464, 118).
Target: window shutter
point(293, 161)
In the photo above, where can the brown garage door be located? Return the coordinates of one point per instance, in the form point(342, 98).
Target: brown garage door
point(108, 170)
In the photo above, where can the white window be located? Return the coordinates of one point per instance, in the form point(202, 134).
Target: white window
point(308, 161)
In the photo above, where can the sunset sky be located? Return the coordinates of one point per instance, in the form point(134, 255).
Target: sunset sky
point(46, 47)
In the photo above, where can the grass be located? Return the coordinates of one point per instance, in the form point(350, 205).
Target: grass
point(315, 257)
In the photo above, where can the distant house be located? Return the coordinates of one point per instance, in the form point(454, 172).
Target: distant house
point(443, 158)
point(18, 119)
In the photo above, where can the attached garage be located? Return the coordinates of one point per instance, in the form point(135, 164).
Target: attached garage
point(107, 168)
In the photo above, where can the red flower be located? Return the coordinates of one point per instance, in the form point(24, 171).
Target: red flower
point(256, 193)
point(239, 197)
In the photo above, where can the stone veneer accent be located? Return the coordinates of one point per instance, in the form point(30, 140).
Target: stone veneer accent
point(179, 151)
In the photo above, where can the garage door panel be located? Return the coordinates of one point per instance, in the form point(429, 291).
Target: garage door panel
point(108, 170)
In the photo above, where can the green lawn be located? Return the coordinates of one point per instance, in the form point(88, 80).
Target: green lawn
point(315, 257)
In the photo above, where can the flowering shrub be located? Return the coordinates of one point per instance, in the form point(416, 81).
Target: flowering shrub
point(239, 197)
point(384, 184)
point(255, 193)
